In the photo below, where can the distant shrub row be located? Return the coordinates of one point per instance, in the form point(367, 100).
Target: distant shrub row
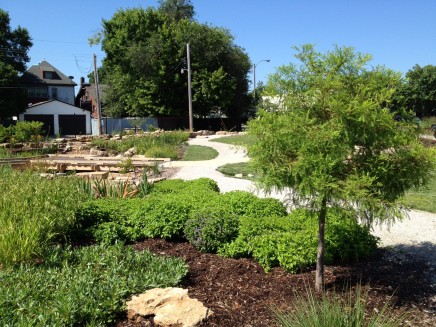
point(234, 224)
point(22, 131)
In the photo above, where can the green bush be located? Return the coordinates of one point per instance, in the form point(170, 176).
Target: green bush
point(172, 186)
point(5, 133)
point(127, 220)
point(209, 229)
point(25, 131)
point(291, 241)
point(81, 287)
point(245, 203)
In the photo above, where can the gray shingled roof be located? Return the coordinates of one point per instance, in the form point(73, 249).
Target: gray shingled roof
point(35, 75)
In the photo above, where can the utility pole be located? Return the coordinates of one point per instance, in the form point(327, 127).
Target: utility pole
point(97, 91)
point(191, 120)
point(254, 77)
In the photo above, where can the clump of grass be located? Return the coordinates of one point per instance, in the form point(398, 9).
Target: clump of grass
point(199, 152)
point(162, 145)
point(34, 212)
point(349, 309)
point(426, 124)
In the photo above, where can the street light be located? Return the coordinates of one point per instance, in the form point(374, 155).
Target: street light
point(254, 76)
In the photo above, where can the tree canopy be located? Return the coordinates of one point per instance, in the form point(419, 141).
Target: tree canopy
point(177, 9)
point(14, 47)
point(418, 93)
point(146, 51)
point(333, 141)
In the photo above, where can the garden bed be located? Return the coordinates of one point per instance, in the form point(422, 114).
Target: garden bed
point(240, 293)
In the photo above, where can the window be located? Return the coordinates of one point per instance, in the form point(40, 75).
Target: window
point(54, 93)
point(50, 75)
point(37, 92)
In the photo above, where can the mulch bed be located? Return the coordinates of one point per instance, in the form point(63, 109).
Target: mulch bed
point(240, 293)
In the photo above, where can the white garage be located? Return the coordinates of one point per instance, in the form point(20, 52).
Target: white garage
point(59, 118)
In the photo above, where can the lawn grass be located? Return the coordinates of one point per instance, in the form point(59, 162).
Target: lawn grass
point(233, 169)
point(199, 152)
point(423, 199)
point(241, 140)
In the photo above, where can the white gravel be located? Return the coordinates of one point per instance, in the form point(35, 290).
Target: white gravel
point(414, 237)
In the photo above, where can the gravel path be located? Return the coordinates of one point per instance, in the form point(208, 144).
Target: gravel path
point(411, 239)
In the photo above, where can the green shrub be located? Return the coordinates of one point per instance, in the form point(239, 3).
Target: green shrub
point(5, 133)
point(165, 217)
point(209, 229)
point(81, 287)
point(252, 228)
point(25, 131)
point(245, 203)
point(128, 220)
point(291, 241)
point(181, 186)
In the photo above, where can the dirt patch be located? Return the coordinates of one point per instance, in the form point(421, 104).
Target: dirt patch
point(240, 293)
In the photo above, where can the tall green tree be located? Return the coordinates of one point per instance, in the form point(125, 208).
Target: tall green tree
point(145, 53)
point(14, 47)
point(418, 93)
point(333, 142)
point(177, 9)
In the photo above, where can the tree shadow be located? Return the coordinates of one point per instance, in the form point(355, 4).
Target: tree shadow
point(405, 271)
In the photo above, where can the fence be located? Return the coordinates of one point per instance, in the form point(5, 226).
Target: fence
point(116, 125)
point(167, 123)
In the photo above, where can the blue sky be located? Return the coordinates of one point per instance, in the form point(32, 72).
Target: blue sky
point(398, 33)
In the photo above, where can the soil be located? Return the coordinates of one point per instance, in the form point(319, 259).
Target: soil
point(240, 293)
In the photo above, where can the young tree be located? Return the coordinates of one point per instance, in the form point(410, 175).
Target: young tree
point(14, 45)
point(333, 142)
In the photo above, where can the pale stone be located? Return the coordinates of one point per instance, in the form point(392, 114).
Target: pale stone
point(169, 306)
point(131, 152)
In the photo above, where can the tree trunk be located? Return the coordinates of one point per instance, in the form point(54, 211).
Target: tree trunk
point(319, 277)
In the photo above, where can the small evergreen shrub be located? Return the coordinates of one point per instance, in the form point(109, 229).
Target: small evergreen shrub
point(209, 229)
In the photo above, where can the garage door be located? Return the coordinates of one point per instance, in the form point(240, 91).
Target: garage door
point(47, 120)
point(72, 124)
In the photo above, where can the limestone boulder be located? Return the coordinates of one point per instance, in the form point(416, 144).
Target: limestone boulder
point(169, 307)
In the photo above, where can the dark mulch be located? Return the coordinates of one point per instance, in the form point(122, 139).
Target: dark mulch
point(240, 293)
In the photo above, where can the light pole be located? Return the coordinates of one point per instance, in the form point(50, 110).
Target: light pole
point(254, 77)
point(191, 119)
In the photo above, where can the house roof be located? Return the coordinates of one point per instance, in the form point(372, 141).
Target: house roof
point(90, 90)
point(45, 74)
point(54, 102)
